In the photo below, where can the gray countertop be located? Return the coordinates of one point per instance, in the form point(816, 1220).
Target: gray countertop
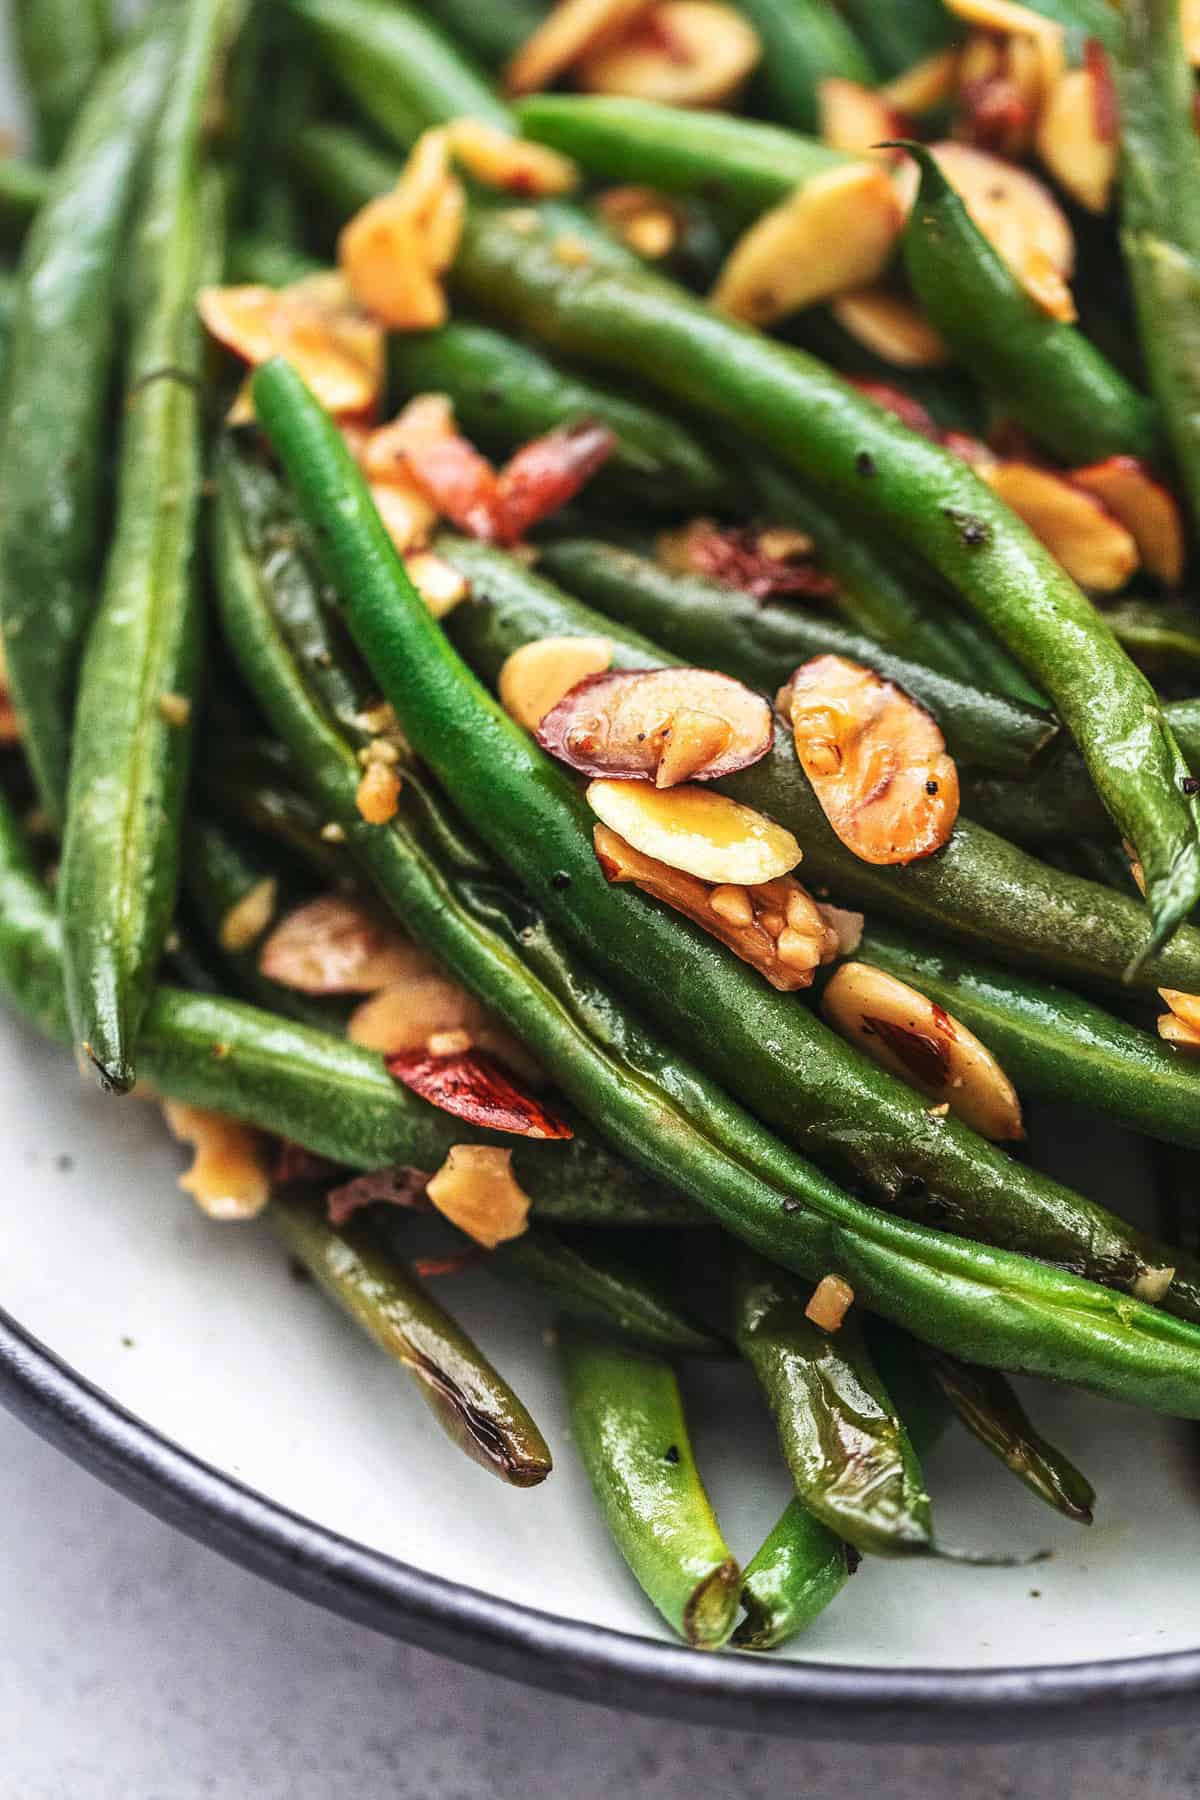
point(138, 1666)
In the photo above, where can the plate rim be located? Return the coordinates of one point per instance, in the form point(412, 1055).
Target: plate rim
point(570, 1657)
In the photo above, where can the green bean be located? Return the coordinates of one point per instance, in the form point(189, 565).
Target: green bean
point(397, 66)
point(848, 1452)
point(804, 43)
point(505, 393)
point(991, 1412)
point(1161, 638)
point(474, 1405)
point(1050, 1041)
point(1160, 218)
point(1081, 20)
point(628, 1425)
point(56, 410)
point(591, 1284)
point(980, 889)
point(62, 44)
point(342, 167)
point(933, 503)
point(1050, 377)
point(721, 628)
point(24, 186)
point(797, 1572)
point(493, 31)
point(132, 744)
point(738, 165)
point(266, 262)
point(896, 37)
point(531, 814)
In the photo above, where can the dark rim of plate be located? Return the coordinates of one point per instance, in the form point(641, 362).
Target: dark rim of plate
point(567, 1656)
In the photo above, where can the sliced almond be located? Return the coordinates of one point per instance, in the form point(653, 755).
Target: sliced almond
point(831, 1300)
point(1007, 19)
point(569, 31)
point(769, 563)
point(409, 516)
point(249, 917)
point(335, 945)
point(693, 829)
point(1147, 509)
point(776, 927)
point(1178, 1033)
point(427, 1006)
point(681, 53)
point(918, 1041)
point(394, 252)
point(473, 1085)
point(643, 218)
point(855, 118)
point(1071, 143)
point(662, 725)
point(876, 759)
point(1092, 545)
point(891, 327)
point(832, 235)
point(924, 87)
point(1185, 1008)
point(229, 1178)
point(316, 324)
point(441, 586)
point(475, 1189)
point(1000, 93)
point(1015, 211)
point(534, 678)
point(1190, 23)
point(378, 794)
point(500, 160)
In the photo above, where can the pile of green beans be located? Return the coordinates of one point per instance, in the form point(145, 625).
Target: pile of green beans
point(209, 635)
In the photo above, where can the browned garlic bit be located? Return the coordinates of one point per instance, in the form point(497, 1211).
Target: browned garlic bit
point(569, 31)
point(1180, 1026)
point(643, 218)
point(835, 233)
point(890, 325)
point(176, 709)
point(476, 1190)
point(534, 678)
point(662, 725)
point(317, 324)
point(1090, 542)
point(681, 53)
point(377, 796)
point(229, 1178)
point(920, 1042)
point(876, 759)
point(249, 917)
point(1147, 510)
point(394, 252)
point(335, 945)
point(831, 1300)
point(691, 828)
point(847, 927)
point(775, 926)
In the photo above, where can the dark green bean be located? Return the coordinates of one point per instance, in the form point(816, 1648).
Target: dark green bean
point(62, 44)
point(342, 167)
point(266, 262)
point(628, 1424)
point(397, 66)
point(804, 43)
point(1081, 20)
point(505, 393)
point(52, 439)
point(862, 457)
point(132, 744)
point(474, 1405)
point(896, 37)
point(1049, 376)
point(989, 1408)
point(1162, 639)
point(722, 628)
point(492, 31)
point(847, 1450)
point(24, 186)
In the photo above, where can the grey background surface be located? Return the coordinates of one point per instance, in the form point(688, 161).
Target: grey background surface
point(138, 1666)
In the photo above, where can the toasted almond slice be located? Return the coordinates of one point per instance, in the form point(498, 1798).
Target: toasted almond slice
point(1092, 545)
point(316, 324)
point(249, 917)
point(1186, 1007)
point(1191, 30)
point(693, 829)
point(476, 1190)
point(229, 1178)
point(660, 725)
point(1070, 142)
point(441, 586)
point(1000, 94)
point(855, 118)
point(682, 53)
point(891, 327)
point(408, 514)
point(768, 563)
point(1008, 19)
point(500, 160)
point(474, 1086)
point(1046, 287)
point(924, 87)
point(546, 473)
point(643, 218)
point(876, 760)
point(570, 30)
point(915, 1039)
point(1148, 510)
point(1015, 211)
point(334, 945)
point(427, 1006)
point(393, 252)
point(1176, 1031)
point(834, 234)
point(831, 1300)
point(534, 678)
point(788, 956)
